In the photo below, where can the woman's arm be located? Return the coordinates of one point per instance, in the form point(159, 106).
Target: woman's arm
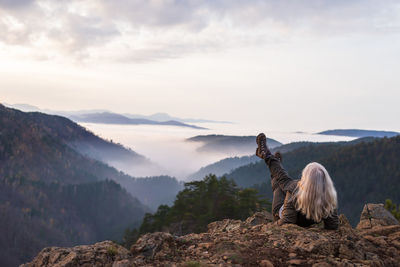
point(332, 222)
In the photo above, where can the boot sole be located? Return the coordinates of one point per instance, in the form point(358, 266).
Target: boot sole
point(260, 138)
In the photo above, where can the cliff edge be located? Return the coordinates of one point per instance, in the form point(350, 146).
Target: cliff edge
point(254, 242)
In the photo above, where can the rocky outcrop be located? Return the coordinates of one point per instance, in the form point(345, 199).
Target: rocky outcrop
point(375, 215)
point(104, 253)
point(254, 242)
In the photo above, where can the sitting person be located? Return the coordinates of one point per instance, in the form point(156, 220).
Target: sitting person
point(304, 202)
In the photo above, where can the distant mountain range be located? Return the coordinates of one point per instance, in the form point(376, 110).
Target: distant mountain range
point(359, 133)
point(105, 116)
point(114, 118)
point(229, 143)
point(165, 117)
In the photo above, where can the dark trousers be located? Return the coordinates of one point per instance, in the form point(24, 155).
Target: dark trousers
point(281, 183)
point(278, 198)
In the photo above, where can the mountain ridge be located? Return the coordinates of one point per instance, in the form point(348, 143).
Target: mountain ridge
point(228, 143)
point(359, 133)
point(159, 118)
point(114, 118)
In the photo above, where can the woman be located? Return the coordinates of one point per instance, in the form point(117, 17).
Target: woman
point(304, 202)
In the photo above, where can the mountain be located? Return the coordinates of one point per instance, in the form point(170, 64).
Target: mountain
point(363, 171)
point(153, 119)
point(359, 133)
point(229, 143)
point(23, 107)
point(53, 194)
point(114, 118)
point(88, 144)
point(31, 108)
point(160, 116)
point(54, 149)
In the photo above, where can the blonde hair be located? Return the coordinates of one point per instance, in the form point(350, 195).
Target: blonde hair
point(316, 194)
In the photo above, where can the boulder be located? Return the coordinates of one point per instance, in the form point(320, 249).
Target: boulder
point(105, 253)
point(374, 215)
point(259, 218)
point(156, 246)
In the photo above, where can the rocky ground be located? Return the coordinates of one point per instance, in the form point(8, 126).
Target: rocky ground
point(254, 242)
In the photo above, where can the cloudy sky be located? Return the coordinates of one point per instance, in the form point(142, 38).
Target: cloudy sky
point(287, 64)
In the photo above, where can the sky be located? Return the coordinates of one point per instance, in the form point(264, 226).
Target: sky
point(292, 65)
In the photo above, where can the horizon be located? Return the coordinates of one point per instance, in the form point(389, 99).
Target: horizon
point(32, 108)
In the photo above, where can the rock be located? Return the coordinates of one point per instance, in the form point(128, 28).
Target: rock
point(259, 218)
point(379, 241)
point(149, 245)
point(266, 263)
point(321, 264)
point(382, 230)
point(104, 253)
point(220, 226)
point(205, 245)
point(343, 221)
point(123, 263)
point(295, 262)
point(262, 244)
point(375, 215)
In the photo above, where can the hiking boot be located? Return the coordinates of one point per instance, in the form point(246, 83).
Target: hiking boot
point(262, 149)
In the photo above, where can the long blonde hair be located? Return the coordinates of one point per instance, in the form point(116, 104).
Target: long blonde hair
point(316, 195)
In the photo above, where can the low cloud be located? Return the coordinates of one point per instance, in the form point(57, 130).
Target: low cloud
point(145, 30)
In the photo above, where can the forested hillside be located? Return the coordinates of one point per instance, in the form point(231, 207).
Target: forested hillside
point(363, 171)
point(38, 146)
point(52, 195)
point(34, 215)
point(50, 127)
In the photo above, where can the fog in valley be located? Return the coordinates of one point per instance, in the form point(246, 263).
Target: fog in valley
point(167, 148)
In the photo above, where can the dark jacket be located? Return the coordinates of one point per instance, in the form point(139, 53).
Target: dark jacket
point(280, 178)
